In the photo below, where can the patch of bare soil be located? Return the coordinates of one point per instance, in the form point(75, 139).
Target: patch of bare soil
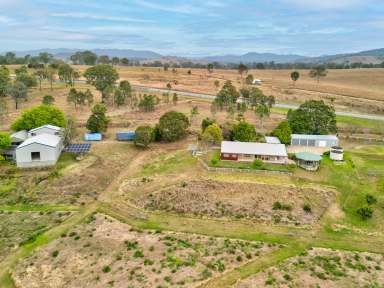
point(106, 253)
point(323, 268)
point(241, 200)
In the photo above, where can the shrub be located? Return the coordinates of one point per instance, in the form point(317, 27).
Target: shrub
point(370, 199)
point(279, 206)
point(256, 164)
point(106, 269)
point(138, 254)
point(365, 213)
point(55, 253)
point(307, 208)
point(144, 135)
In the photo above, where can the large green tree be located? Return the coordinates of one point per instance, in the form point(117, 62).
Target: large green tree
point(67, 74)
point(244, 132)
point(283, 131)
point(5, 140)
point(101, 77)
point(39, 116)
point(227, 96)
point(212, 134)
point(144, 135)
point(4, 80)
point(173, 126)
point(98, 121)
point(313, 117)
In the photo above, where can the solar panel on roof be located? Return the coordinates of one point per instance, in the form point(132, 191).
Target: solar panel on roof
point(78, 148)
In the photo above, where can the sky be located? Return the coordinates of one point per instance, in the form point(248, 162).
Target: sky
point(195, 27)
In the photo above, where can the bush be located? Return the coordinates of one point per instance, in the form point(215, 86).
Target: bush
point(106, 269)
point(173, 126)
point(215, 159)
point(279, 206)
point(307, 208)
point(256, 164)
point(144, 135)
point(55, 253)
point(138, 254)
point(365, 213)
point(370, 199)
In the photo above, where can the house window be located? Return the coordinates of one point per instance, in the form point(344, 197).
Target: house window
point(35, 156)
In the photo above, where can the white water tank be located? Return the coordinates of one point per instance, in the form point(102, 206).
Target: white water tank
point(336, 153)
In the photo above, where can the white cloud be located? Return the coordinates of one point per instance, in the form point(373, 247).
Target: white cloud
point(325, 4)
point(81, 15)
point(5, 20)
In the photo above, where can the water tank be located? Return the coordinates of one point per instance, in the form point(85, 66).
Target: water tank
point(336, 153)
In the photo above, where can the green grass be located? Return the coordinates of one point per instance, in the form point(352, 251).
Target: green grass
point(37, 208)
point(376, 125)
point(166, 163)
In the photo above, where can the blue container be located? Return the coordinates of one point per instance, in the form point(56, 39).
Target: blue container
point(93, 137)
point(125, 136)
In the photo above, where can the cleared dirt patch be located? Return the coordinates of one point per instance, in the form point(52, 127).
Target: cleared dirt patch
point(241, 200)
point(106, 253)
point(323, 268)
point(17, 228)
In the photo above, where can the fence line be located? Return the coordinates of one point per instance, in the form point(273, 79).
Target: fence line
point(224, 169)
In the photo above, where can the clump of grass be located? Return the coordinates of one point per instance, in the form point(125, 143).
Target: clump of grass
point(106, 269)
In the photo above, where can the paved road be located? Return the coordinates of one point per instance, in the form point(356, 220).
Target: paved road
point(279, 105)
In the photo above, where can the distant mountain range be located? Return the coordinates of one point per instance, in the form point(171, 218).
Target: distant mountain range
point(371, 56)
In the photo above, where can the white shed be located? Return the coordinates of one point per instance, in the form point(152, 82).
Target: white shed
point(46, 129)
point(42, 150)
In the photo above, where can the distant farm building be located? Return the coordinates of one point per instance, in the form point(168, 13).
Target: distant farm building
point(321, 141)
point(249, 151)
point(42, 150)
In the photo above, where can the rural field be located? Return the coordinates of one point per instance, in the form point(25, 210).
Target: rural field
point(124, 216)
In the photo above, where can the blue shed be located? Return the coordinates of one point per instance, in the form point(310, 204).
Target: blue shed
point(93, 136)
point(125, 136)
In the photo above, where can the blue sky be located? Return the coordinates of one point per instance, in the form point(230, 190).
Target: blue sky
point(196, 27)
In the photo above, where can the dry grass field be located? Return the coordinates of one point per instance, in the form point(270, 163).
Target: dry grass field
point(323, 268)
point(106, 253)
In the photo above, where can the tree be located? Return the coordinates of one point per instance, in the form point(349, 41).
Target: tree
point(173, 126)
point(262, 110)
point(80, 98)
point(210, 67)
point(115, 61)
point(23, 76)
point(207, 122)
point(48, 100)
point(98, 121)
point(39, 116)
point(126, 89)
point(212, 134)
point(18, 92)
point(124, 61)
point(295, 75)
point(227, 95)
point(45, 57)
point(318, 72)
point(4, 80)
point(103, 59)
point(148, 103)
point(313, 117)
point(242, 68)
point(283, 131)
point(40, 74)
point(5, 140)
point(119, 97)
point(67, 74)
point(244, 132)
point(249, 79)
point(144, 135)
point(101, 77)
point(50, 73)
point(3, 109)
point(175, 98)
